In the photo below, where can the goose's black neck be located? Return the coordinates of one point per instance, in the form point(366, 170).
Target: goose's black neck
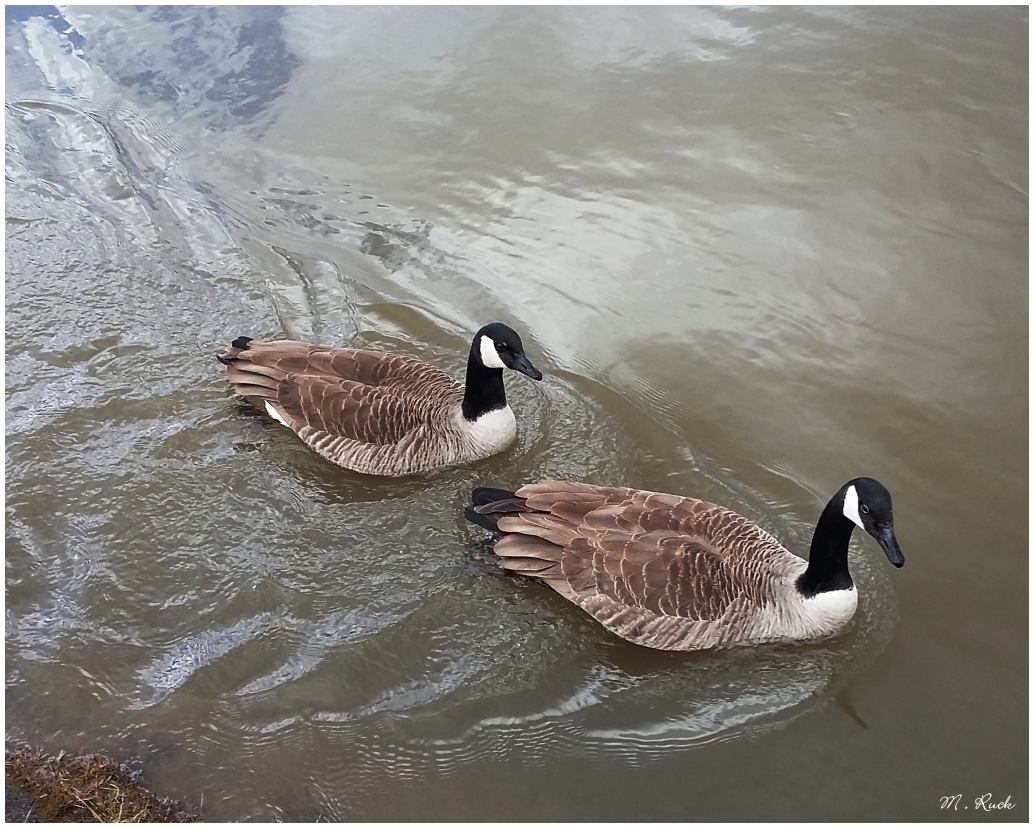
point(827, 564)
point(484, 390)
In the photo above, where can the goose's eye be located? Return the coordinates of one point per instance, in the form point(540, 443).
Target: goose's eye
point(500, 347)
point(865, 509)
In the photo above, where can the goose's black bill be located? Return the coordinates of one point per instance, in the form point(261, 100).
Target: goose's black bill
point(523, 364)
point(886, 539)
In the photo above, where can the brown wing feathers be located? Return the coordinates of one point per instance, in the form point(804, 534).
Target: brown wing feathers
point(641, 550)
point(343, 392)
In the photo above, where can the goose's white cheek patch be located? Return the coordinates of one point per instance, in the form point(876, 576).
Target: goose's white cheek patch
point(851, 507)
point(489, 355)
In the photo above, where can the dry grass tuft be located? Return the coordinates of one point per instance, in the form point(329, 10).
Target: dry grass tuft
point(85, 789)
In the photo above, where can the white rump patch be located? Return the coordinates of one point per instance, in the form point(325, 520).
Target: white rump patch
point(851, 507)
point(276, 415)
point(489, 355)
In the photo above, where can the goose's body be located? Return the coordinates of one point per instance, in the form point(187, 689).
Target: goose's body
point(382, 413)
point(676, 573)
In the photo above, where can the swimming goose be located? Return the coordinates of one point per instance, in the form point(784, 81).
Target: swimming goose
point(677, 573)
point(381, 413)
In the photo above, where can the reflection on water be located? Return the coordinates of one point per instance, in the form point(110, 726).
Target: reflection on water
point(741, 243)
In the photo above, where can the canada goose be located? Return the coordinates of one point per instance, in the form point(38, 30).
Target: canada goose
point(383, 413)
point(677, 573)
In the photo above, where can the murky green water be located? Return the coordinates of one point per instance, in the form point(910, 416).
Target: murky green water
point(757, 253)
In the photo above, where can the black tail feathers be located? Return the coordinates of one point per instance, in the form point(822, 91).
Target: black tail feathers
point(491, 504)
point(238, 345)
point(483, 496)
point(484, 521)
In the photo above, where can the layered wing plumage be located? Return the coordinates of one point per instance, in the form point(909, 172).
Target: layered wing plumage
point(361, 409)
point(661, 570)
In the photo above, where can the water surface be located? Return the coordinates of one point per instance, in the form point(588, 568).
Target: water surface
point(756, 252)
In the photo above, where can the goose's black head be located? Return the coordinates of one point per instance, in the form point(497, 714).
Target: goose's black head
point(867, 504)
point(498, 346)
